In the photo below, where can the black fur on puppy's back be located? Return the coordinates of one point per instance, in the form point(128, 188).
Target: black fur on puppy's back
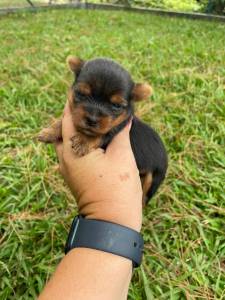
point(149, 152)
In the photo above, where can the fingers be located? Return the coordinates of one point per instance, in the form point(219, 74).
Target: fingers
point(67, 124)
point(120, 146)
point(68, 131)
point(64, 148)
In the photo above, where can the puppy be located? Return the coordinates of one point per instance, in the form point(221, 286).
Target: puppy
point(101, 101)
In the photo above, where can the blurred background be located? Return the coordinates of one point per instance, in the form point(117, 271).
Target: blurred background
point(205, 6)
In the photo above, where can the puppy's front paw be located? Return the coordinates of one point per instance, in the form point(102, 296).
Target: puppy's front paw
point(79, 147)
point(51, 134)
point(48, 135)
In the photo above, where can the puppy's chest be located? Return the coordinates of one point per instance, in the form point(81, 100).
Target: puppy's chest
point(106, 139)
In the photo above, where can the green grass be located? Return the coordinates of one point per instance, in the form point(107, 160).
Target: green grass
point(184, 225)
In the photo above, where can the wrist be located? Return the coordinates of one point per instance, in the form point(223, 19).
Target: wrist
point(119, 209)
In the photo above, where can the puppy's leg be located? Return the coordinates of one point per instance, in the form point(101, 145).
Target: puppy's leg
point(81, 144)
point(51, 134)
point(146, 181)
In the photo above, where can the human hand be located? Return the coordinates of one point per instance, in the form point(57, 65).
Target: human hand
point(106, 184)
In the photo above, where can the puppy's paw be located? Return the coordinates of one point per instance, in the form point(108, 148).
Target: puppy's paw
point(48, 135)
point(51, 134)
point(79, 147)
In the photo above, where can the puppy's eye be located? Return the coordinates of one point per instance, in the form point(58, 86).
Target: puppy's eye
point(116, 106)
point(79, 97)
point(76, 99)
point(79, 94)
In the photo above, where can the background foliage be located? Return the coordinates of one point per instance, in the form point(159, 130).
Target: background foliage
point(214, 6)
point(206, 6)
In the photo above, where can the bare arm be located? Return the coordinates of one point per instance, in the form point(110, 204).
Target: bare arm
point(107, 187)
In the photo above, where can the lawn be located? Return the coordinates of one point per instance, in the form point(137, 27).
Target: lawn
point(184, 224)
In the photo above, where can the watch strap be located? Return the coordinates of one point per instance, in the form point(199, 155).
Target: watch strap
point(107, 237)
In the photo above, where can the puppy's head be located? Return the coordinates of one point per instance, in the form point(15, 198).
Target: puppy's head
point(102, 95)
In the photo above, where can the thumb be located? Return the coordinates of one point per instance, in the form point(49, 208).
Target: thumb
point(120, 146)
point(67, 123)
point(68, 130)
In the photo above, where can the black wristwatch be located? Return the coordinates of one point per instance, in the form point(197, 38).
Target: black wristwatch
point(107, 237)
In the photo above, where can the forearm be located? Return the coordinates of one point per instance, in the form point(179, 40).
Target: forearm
point(89, 274)
point(107, 187)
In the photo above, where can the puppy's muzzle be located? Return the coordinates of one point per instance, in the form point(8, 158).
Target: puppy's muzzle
point(92, 121)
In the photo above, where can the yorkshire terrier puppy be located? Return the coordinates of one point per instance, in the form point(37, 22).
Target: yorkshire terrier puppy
point(101, 101)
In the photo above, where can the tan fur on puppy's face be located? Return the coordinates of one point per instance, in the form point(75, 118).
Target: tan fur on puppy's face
point(84, 88)
point(118, 99)
point(105, 123)
point(78, 112)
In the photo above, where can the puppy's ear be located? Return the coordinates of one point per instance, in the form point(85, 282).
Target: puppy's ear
point(75, 64)
point(141, 91)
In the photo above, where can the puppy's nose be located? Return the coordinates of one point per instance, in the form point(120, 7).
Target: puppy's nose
point(91, 121)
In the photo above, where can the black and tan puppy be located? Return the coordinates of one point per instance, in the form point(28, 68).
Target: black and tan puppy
point(101, 100)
